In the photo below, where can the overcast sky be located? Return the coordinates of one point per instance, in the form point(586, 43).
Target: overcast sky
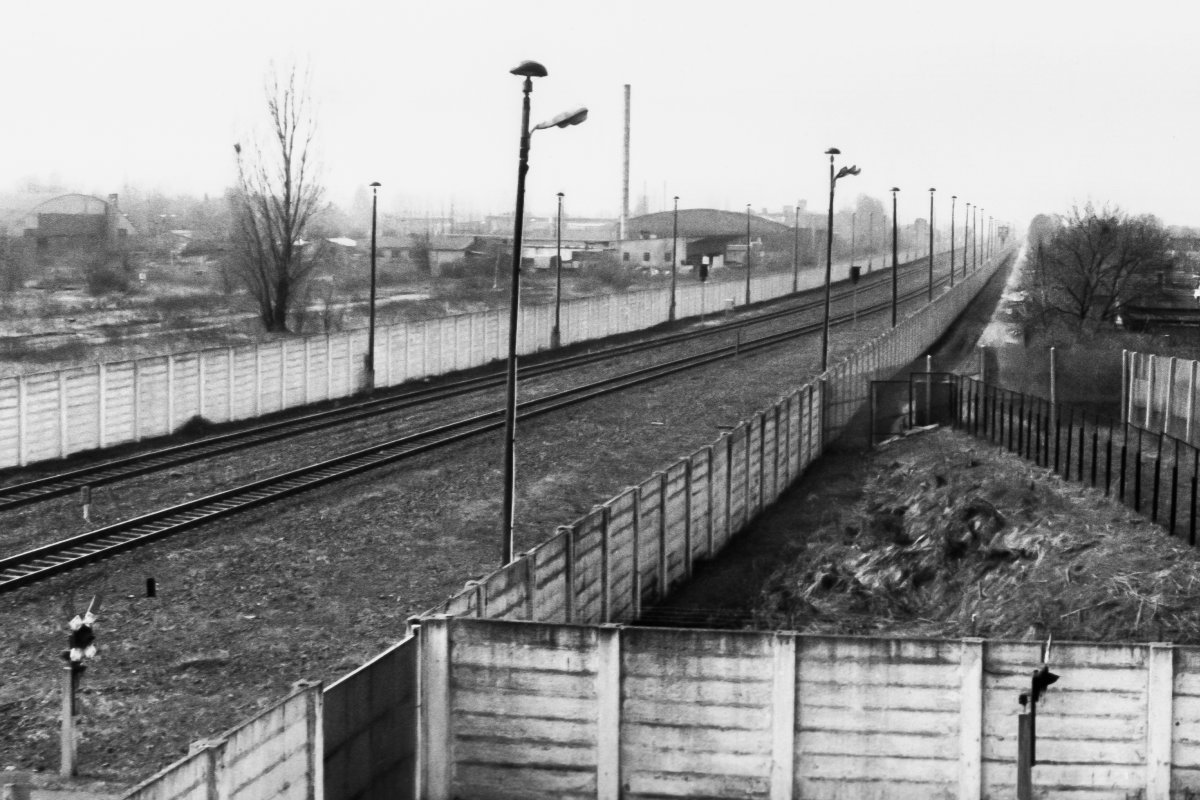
point(1019, 107)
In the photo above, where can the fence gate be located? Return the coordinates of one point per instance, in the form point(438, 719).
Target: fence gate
point(926, 398)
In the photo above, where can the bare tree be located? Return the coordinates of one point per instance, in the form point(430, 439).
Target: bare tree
point(278, 193)
point(1082, 267)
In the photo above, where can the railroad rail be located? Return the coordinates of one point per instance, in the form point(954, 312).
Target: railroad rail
point(42, 562)
point(57, 485)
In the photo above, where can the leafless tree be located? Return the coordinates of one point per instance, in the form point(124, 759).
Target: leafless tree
point(278, 193)
point(1083, 266)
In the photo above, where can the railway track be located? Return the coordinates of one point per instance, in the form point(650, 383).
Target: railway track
point(60, 484)
point(42, 562)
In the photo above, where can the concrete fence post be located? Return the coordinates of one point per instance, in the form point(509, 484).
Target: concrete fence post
point(170, 395)
point(230, 367)
point(1160, 724)
point(970, 721)
point(1191, 401)
point(314, 715)
point(568, 533)
point(1169, 403)
point(530, 579)
point(63, 443)
point(606, 564)
point(783, 715)
point(709, 550)
point(22, 418)
point(1124, 386)
point(663, 543)
point(101, 405)
point(1150, 376)
point(635, 561)
point(608, 712)
point(434, 682)
point(687, 518)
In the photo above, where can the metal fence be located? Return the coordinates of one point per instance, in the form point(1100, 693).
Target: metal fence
point(1152, 472)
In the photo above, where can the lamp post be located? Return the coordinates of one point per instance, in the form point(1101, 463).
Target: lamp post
point(674, 257)
point(931, 191)
point(975, 239)
point(833, 179)
point(953, 198)
point(895, 259)
point(528, 70)
point(966, 239)
point(747, 254)
point(556, 331)
point(853, 223)
point(370, 358)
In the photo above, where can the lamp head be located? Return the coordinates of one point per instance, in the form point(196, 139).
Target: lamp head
point(895, 189)
point(844, 171)
point(932, 190)
point(565, 119)
point(833, 151)
point(529, 69)
point(375, 184)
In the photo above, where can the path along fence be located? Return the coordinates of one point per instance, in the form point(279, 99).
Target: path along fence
point(54, 414)
point(379, 725)
point(1152, 472)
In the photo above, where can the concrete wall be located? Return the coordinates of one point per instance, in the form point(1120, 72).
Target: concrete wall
point(528, 710)
point(1160, 394)
point(54, 414)
point(484, 719)
point(275, 754)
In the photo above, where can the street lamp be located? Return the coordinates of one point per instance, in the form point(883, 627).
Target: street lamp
point(674, 257)
point(975, 239)
point(953, 198)
point(966, 239)
point(833, 179)
point(895, 259)
point(556, 332)
point(931, 191)
point(871, 242)
point(527, 70)
point(370, 359)
point(747, 254)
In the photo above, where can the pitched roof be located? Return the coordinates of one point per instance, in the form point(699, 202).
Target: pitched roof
point(695, 222)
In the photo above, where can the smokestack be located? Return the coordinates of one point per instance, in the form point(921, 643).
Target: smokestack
point(625, 174)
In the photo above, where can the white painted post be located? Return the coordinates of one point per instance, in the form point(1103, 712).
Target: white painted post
point(22, 419)
point(568, 533)
point(1169, 402)
point(170, 394)
point(1053, 390)
point(349, 365)
point(307, 364)
point(635, 578)
point(257, 380)
point(387, 354)
point(282, 373)
point(1160, 724)
point(1191, 400)
point(434, 682)
point(101, 405)
point(1124, 386)
point(201, 379)
point(229, 379)
point(328, 366)
point(783, 715)
point(1149, 391)
point(530, 576)
point(970, 721)
point(62, 414)
point(137, 397)
point(660, 591)
point(608, 712)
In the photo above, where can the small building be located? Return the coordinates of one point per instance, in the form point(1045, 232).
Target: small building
point(705, 235)
point(64, 233)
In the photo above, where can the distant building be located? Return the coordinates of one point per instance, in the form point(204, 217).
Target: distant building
point(706, 235)
point(63, 233)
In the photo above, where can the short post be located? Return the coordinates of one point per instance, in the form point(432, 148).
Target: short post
point(1053, 389)
point(982, 354)
point(85, 502)
point(1024, 756)
point(68, 764)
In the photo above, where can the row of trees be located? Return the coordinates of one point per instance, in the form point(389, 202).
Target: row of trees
point(1085, 264)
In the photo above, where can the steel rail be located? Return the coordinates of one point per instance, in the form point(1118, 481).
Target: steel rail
point(115, 470)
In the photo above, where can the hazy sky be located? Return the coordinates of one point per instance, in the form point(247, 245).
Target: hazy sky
point(1019, 107)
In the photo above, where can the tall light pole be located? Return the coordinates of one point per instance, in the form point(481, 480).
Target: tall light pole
point(931, 191)
point(528, 70)
point(833, 179)
point(556, 331)
point(853, 232)
point(975, 239)
point(747, 254)
point(953, 198)
point(674, 257)
point(966, 239)
point(371, 329)
point(895, 258)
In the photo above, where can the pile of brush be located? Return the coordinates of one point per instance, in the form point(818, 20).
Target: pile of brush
point(987, 545)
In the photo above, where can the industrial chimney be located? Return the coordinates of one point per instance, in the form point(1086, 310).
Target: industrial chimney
point(625, 174)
